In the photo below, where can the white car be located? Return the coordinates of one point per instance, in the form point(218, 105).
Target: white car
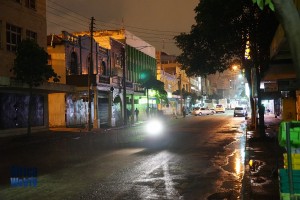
point(240, 111)
point(202, 111)
point(220, 108)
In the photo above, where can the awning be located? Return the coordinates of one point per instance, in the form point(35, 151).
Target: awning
point(280, 71)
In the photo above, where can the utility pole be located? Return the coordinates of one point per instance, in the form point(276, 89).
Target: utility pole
point(124, 84)
point(180, 89)
point(90, 71)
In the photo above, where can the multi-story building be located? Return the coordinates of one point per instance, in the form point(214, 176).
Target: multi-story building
point(71, 58)
point(138, 56)
point(229, 84)
point(280, 91)
point(176, 80)
point(20, 20)
point(119, 57)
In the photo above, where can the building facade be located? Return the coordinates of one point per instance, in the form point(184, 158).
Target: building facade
point(119, 57)
point(22, 20)
point(71, 58)
point(175, 80)
point(138, 56)
point(280, 91)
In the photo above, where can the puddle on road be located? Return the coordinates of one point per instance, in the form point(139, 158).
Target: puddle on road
point(233, 167)
point(229, 131)
point(255, 166)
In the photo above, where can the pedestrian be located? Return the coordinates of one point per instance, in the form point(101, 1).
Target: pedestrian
point(128, 114)
point(136, 111)
point(183, 111)
point(147, 112)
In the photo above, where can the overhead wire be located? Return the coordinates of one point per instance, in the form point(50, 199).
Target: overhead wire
point(114, 25)
point(145, 29)
point(58, 10)
point(60, 15)
point(61, 6)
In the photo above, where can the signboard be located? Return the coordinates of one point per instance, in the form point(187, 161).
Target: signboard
point(271, 87)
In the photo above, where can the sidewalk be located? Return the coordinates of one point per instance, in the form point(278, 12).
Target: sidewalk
point(263, 157)
point(105, 136)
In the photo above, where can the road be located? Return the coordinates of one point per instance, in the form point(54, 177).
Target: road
point(201, 157)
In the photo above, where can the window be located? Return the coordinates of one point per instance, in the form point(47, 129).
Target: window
point(13, 37)
point(102, 68)
point(30, 4)
point(31, 35)
point(74, 64)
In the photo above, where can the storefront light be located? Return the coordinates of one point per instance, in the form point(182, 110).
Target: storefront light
point(152, 93)
point(143, 101)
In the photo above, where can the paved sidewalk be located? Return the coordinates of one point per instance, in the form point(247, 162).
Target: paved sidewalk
point(263, 158)
point(106, 136)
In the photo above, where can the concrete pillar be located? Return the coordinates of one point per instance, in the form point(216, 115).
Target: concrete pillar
point(111, 119)
point(132, 109)
point(96, 123)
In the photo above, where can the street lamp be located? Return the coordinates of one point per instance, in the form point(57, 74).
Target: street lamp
point(234, 67)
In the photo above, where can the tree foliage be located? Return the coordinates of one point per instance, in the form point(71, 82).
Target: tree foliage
point(31, 64)
point(262, 3)
point(288, 16)
point(215, 40)
point(220, 34)
point(31, 67)
point(219, 38)
point(149, 81)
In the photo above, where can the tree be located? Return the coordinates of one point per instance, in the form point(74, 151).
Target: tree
point(222, 31)
point(289, 18)
point(31, 67)
point(216, 38)
point(149, 81)
point(194, 98)
point(215, 96)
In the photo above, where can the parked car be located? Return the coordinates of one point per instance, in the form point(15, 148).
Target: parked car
point(220, 108)
point(240, 111)
point(202, 111)
point(213, 110)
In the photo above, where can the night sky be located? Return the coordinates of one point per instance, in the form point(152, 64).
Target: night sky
point(155, 21)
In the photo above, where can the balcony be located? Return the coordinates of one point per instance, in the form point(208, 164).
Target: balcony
point(80, 80)
point(46, 87)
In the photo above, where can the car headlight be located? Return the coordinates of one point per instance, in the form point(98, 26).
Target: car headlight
point(154, 127)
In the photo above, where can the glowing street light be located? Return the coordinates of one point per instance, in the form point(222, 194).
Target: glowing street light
point(235, 67)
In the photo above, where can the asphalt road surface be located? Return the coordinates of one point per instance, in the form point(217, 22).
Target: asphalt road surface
point(198, 157)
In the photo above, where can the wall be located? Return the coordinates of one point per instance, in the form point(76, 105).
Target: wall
point(28, 19)
point(14, 111)
point(57, 108)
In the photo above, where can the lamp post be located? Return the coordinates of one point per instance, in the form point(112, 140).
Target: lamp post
point(180, 91)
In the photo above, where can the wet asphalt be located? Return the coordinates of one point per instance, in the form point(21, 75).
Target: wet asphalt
point(132, 166)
